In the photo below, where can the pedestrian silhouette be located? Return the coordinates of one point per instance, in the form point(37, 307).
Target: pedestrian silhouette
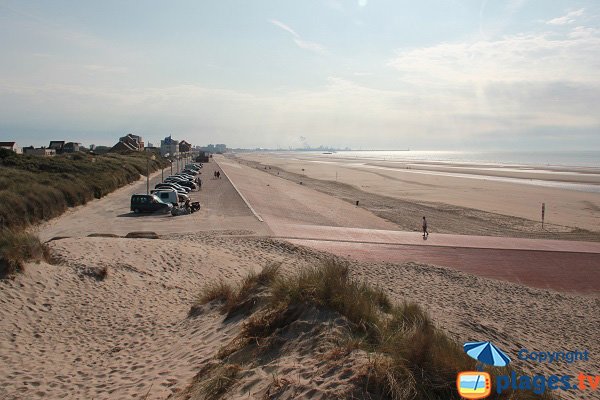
point(425, 231)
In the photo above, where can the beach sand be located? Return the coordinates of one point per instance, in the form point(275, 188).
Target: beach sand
point(412, 183)
point(68, 331)
point(67, 334)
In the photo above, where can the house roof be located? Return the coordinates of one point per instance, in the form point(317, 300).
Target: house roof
point(56, 143)
point(9, 144)
point(122, 146)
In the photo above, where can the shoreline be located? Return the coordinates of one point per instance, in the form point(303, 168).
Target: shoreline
point(513, 203)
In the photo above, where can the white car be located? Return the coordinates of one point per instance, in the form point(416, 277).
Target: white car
point(170, 196)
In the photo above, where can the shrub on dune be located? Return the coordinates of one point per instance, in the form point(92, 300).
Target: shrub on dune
point(409, 357)
point(16, 248)
point(34, 188)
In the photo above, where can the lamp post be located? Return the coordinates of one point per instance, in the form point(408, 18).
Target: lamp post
point(162, 173)
point(153, 157)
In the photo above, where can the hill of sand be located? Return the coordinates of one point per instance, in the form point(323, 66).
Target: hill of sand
point(70, 332)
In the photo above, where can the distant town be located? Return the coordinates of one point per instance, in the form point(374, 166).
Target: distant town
point(169, 147)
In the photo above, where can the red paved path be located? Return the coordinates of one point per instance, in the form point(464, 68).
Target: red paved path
point(571, 272)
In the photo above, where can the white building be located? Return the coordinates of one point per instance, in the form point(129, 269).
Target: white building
point(11, 146)
point(169, 146)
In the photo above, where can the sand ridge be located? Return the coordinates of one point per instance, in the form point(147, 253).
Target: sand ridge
point(68, 335)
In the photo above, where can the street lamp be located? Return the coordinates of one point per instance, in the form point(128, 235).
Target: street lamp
point(153, 157)
point(162, 172)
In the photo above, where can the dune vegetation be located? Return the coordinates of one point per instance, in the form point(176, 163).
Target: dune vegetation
point(17, 247)
point(407, 356)
point(34, 189)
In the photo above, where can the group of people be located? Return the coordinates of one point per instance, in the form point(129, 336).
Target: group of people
point(217, 174)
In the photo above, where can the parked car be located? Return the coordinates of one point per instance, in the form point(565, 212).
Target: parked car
point(183, 183)
point(168, 196)
point(177, 177)
point(184, 176)
point(178, 188)
point(193, 166)
point(149, 203)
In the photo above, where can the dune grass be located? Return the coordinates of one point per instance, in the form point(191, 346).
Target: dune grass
point(409, 357)
point(18, 247)
point(33, 188)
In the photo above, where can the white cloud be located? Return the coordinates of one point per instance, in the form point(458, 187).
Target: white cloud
point(362, 3)
point(531, 57)
point(284, 27)
point(569, 18)
point(300, 42)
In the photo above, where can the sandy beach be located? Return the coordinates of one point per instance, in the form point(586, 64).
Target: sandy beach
point(69, 331)
point(69, 335)
point(507, 190)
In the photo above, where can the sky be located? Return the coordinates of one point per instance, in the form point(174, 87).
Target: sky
point(367, 74)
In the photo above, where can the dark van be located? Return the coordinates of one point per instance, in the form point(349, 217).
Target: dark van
point(148, 203)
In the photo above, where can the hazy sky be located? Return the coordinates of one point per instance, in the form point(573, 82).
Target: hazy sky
point(511, 74)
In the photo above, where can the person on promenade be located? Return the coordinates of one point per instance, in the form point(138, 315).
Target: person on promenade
point(425, 232)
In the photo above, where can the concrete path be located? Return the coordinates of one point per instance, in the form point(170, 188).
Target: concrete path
point(313, 219)
point(221, 209)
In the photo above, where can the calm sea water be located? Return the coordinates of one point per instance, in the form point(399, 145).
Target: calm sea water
point(533, 158)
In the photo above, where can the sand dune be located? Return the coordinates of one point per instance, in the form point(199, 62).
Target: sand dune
point(68, 335)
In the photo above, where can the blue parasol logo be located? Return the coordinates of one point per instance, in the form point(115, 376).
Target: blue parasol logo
point(486, 353)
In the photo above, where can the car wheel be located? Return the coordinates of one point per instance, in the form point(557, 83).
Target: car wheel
point(136, 210)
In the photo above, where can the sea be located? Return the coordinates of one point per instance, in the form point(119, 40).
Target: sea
point(563, 163)
point(526, 158)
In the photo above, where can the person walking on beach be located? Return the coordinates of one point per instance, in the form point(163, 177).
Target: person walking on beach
point(425, 232)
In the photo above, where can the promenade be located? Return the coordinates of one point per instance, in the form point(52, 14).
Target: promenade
point(306, 217)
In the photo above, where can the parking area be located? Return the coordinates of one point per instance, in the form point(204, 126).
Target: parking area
point(221, 208)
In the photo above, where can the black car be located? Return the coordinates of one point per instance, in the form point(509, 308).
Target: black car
point(148, 203)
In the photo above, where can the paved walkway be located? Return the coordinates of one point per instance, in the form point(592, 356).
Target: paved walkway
point(221, 209)
point(313, 219)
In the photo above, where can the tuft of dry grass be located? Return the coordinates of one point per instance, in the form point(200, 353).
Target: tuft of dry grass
point(409, 357)
point(220, 380)
point(18, 247)
point(238, 299)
